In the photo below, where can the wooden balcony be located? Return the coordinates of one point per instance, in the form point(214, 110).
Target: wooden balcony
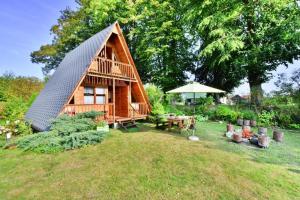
point(136, 111)
point(108, 68)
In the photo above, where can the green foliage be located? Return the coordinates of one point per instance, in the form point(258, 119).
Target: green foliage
point(249, 114)
point(266, 118)
point(66, 133)
point(201, 118)
point(154, 93)
point(102, 123)
point(244, 39)
point(294, 126)
point(157, 109)
point(226, 113)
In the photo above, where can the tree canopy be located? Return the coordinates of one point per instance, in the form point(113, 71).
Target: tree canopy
point(220, 42)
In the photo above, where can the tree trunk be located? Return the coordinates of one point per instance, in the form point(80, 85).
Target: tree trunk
point(256, 91)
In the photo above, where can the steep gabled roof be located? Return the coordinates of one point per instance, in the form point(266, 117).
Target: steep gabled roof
point(65, 79)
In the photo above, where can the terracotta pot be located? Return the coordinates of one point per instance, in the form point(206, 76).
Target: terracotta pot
point(246, 131)
point(237, 138)
point(262, 131)
point(246, 122)
point(263, 141)
point(253, 123)
point(278, 136)
point(247, 128)
point(230, 128)
point(240, 122)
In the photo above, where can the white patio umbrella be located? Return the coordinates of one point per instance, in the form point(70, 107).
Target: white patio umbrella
point(195, 88)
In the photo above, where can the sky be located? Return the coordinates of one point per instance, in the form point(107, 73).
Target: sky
point(25, 26)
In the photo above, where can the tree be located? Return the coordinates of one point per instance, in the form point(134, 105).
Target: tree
point(154, 30)
point(250, 37)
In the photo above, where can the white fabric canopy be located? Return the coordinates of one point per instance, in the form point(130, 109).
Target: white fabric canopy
point(195, 87)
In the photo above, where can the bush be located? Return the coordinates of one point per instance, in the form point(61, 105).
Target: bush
point(66, 133)
point(154, 93)
point(225, 113)
point(266, 118)
point(248, 114)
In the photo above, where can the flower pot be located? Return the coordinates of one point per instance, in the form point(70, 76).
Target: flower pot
point(230, 128)
point(246, 122)
point(240, 122)
point(246, 131)
point(237, 138)
point(263, 141)
point(103, 128)
point(262, 131)
point(278, 136)
point(253, 123)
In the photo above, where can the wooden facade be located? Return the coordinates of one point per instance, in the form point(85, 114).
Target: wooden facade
point(110, 84)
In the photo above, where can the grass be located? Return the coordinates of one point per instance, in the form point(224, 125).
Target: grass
point(153, 164)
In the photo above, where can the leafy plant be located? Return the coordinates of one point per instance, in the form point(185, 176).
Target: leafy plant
point(225, 113)
point(249, 114)
point(102, 123)
point(266, 118)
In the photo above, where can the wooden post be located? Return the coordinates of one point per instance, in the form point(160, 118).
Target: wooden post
point(129, 99)
point(114, 100)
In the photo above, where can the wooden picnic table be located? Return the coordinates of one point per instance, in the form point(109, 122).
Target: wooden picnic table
point(180, 121)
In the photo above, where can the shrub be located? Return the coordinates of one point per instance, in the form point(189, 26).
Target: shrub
point(154, 93)
point(66, 133)
point(80, 139)
point(225, 113)
point(249, 114)
point(266, 118)
point(157, 109)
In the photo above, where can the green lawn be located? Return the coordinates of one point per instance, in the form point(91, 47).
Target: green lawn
point(153, 164)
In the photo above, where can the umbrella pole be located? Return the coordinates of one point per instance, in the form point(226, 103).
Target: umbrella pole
point(194, 113)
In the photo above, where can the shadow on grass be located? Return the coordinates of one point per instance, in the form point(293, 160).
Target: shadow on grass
point(285, 153)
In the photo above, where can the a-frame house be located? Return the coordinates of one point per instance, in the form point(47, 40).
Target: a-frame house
point(99, 75)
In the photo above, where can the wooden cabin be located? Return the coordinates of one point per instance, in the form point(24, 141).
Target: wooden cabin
point(98, 75)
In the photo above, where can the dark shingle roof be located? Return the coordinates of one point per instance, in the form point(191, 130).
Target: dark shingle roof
point(58, 89)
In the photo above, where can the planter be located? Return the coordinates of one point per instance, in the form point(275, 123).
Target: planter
point(240, 122)
point(246, 122)
point(253, 123)
point(246, 131)
point(262, 131)
point(103, 128)
point(237, 138)
point(263, 141)
point(278, 136)
point(230, 128)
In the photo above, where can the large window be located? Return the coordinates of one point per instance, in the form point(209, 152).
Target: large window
point(100, 95)
point(89, 95)
point(94, 95)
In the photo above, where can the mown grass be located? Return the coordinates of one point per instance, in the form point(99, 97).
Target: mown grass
point(154, 164)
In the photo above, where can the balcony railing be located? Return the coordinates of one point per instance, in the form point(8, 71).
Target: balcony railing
point(138, 109)
point(73, 109)
point(103, 66)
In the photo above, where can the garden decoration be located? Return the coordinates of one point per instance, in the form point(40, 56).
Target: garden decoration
point(246, 132)
point(195, 88)
point(237, 137)
point(278, 135)
point(263, 141)
point(240, 122)
point(262, 131)
point(230, 128)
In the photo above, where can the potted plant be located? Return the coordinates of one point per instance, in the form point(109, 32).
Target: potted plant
point(102, 126)
point(240, 120)
point(265, 120)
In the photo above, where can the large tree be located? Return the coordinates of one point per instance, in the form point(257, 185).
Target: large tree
point(154, 30)
point(249, 37)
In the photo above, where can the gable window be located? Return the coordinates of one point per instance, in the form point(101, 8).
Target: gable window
point(100, 95)
point(88, 95)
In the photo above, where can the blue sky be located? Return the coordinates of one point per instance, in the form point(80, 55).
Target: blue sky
point(25, 25)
